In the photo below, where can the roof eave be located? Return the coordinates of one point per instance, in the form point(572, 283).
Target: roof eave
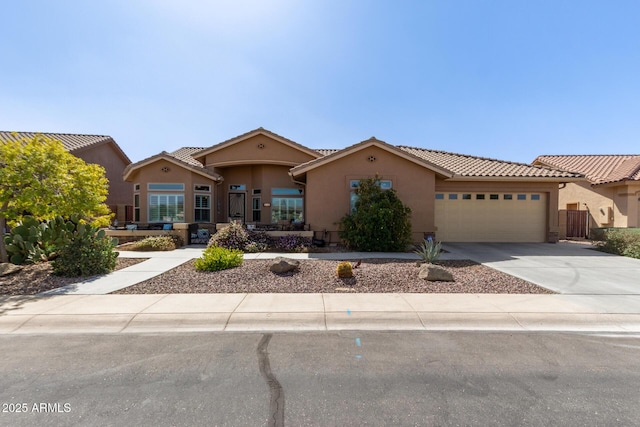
point(200, 154)
point(460, 178)
point(306, 167)
point(165, 156)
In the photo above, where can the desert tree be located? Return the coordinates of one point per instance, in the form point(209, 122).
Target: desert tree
point(38, 177)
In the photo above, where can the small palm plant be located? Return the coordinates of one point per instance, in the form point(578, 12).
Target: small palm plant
point(429, 251)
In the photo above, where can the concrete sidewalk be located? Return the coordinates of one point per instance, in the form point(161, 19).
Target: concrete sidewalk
point(84, 308)
point(312, 312)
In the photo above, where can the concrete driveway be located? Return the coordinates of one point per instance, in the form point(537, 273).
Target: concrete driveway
point(566, 268)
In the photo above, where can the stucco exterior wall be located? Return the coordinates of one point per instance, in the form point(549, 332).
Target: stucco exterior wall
point(259, 149)
point(105, 155)
point(328, 190)
point(608, 206)
point(153, 173)
point(597, 200)
point(626, 205)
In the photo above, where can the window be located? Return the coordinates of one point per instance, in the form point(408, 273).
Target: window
point(287, 204)
point(508, 197)
point(453, 196)
point(202, 211)
point(466, 197)
point(136, 187)
point(439, 196)
point(385, 184)
point(479, 196)
point(238, 187)
point(522, 197)
point(166, 187)
point(206, 188)
point(257, 214)
point(166, 207)
point(257, 191)
point(493, 197)
point(136, 207)
point(535, 197)
point(287, 209)
point(287, 191)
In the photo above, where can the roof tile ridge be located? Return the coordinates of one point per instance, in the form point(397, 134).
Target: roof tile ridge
point(468, 156)
point(58, 133)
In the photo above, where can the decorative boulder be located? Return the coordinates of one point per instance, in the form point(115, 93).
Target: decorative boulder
point(433, 273)
point(7, 269)
point(284, 265)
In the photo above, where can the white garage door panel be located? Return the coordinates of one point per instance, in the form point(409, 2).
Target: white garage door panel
point(521, 219)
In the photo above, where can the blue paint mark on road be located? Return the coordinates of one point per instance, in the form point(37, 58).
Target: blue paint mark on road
point(358, 356)
point(348, 312)
point(358, 343)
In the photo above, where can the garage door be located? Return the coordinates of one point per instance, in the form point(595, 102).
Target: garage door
point(491, 217)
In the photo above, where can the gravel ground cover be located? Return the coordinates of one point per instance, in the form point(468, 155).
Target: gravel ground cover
point(316, 276)
point(36, 278)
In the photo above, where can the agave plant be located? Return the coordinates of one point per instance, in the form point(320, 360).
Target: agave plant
point(429, 251)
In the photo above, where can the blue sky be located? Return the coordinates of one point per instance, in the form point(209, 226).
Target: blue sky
point(504, 79)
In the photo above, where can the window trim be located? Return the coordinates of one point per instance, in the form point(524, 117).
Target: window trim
point(257, 198)
point(150, 195)
point(157, 186)
point(136, 207)
point(196, 208)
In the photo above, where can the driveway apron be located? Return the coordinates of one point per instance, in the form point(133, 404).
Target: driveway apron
point(566, 268)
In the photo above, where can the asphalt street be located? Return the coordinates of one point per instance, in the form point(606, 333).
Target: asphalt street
point(317, 379)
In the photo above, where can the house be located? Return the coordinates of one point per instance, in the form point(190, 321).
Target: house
point(95, 149)
point(610, 197)
point(265, 179)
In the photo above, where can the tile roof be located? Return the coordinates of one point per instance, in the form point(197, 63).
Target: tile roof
point(71, 142)
point(462, 165)
point(185, 154)
point(598, 168)
point(326, 151)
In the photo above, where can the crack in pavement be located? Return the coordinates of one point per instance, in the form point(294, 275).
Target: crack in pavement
point(276, 393)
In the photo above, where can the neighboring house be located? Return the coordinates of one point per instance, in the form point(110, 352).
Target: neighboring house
point(610, 197)
point(95, 149)
point(263, 178)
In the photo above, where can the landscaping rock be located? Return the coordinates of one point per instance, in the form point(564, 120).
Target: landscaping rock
point(433, 273)
point(284, 265)
point(7, 268)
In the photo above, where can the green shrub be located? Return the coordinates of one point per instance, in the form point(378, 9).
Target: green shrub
point(233, 236)
point(380, 222)
point(216, 258)
point(89, 253)
point(155, 243)
point(621, 242)
point(429, 251)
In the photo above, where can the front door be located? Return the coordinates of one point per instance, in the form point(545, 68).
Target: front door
point(236, 206)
